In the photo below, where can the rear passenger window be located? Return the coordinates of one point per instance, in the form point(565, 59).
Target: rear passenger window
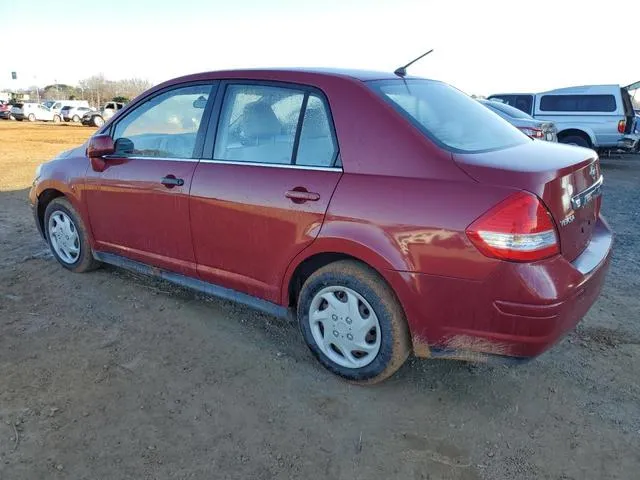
point(578, 103)
point(258, 124)
point(317, 147)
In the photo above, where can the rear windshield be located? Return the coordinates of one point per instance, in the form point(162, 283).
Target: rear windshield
point(507, 109)
point(450, 118)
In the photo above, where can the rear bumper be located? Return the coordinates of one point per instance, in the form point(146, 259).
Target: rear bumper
point(520, 310)
point(629, 142)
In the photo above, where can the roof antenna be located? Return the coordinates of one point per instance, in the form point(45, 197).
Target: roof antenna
point(402, 71)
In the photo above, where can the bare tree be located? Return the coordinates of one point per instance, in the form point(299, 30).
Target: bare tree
point(97, 89)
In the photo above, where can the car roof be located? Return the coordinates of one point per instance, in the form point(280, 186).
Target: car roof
point(290, 74)
point(583, 89)
point(509, 93)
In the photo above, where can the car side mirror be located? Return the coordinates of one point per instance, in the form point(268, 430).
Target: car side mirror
point(98, 147)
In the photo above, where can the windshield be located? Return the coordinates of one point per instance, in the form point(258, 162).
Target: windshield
point(507, 109)
point(448, 116)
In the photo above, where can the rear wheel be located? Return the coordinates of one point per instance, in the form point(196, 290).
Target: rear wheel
point(352, 322)
point(577, 140)
point(76, 118)
point(32, 117)
point(56, 119)
point(67, 237)
point(98, 121)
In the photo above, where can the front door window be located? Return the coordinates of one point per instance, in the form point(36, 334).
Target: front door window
point(165, 126)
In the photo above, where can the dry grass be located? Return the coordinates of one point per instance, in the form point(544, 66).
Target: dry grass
point(24, 145)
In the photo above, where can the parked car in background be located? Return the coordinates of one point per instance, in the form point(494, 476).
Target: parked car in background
point(33, 112)
point(98, 118)
point(74, 114)
point(593, 116)
point(5, 111)
point(56, 106)
point(388, 215)
point(524, 122)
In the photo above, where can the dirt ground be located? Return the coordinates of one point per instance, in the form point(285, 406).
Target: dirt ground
point(109, 375)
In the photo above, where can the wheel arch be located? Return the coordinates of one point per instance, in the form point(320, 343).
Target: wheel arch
point(44, 199)
point(55, 189)
point(586, 133)
point(323, 252)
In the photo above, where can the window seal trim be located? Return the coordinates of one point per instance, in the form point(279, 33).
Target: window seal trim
point(139, 157)
point(227, 162)
point(271, 165)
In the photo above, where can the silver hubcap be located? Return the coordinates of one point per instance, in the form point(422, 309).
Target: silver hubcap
point(64, 237)
point(344, 327)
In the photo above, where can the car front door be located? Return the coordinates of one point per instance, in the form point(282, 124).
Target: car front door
point(139, 203)
point(262, 195)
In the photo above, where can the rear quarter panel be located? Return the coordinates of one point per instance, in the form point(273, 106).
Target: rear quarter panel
point(411, 225)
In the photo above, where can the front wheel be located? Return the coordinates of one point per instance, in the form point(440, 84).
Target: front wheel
point(32, 117)
point(56, 119)
point(76, 119)
point(98, 121)
point(353, 323)
point(67, 237)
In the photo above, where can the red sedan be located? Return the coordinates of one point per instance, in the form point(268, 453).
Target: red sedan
point(391, 215)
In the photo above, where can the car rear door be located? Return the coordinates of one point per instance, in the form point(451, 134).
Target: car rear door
point(139, 202)
point(261, 196)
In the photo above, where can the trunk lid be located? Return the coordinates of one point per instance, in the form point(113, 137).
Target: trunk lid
point(566, 178)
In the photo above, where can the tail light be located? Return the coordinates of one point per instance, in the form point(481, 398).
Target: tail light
point(532, 132)
point(622, 125)
point(519, 229)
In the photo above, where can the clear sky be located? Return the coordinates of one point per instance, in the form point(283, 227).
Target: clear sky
point(480, 46)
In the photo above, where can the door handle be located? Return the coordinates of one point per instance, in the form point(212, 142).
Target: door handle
point(301, 195)
point(171, 181)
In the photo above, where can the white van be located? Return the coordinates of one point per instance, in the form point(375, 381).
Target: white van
point(593, 116)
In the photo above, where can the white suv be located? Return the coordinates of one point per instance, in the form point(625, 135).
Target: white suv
point(33, 112)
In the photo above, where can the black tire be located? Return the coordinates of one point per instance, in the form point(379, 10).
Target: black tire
point(19, 119)
point(85, 261)
point(577, 140)
point(395, 343)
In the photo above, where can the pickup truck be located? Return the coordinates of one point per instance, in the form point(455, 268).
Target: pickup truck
point(593, 116)
point(97, 118)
